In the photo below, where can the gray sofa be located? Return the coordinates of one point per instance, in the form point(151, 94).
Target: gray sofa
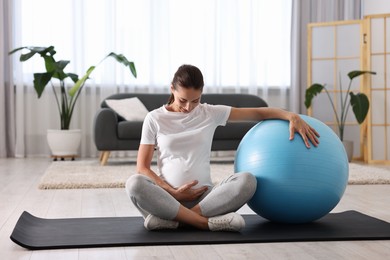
point(113, 133)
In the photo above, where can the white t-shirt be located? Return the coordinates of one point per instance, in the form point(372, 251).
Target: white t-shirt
point(183, 141)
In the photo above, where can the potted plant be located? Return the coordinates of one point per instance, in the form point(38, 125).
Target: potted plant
point(64, 142)
point(359, 102)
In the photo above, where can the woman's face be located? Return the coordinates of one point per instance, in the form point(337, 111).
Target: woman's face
point(186, 99)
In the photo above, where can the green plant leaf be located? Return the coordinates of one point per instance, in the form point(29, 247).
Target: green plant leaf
point(43, 51)
point(360, 105)
point(40, 82)
point(132, 69)
point(122, 59)
point(33, 50)
point(311, 92)
point(80, 82)
point(15, 50)
point(356, 73)
point(74, 77)
point(24, 57)
point(50, 63)
point(62, 64)
point(59, 69)
point(50, 50)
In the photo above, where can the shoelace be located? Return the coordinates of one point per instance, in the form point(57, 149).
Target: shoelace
point(222, 224)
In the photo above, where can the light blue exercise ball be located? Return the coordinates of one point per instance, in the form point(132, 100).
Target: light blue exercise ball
point(294, 184)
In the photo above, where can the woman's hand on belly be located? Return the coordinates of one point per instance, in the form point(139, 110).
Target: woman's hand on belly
point(187, 193)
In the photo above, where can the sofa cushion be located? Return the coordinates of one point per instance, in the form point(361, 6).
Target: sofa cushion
point(129, 130)
point(150, 101)
point(131, 109)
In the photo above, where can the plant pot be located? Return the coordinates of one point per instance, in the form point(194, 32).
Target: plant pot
point(348, 145)
point(64, 143)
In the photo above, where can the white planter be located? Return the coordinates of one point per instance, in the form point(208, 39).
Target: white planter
point(64, 142)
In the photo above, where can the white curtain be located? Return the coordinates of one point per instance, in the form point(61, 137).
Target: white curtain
point(240, 46)
point(7, 97)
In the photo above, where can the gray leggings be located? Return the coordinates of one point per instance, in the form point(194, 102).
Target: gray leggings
point(227, 196)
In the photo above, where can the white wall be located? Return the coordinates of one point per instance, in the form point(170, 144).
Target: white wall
point(375, 7)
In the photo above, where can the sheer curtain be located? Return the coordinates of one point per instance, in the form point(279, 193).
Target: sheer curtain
point(240, 46)
point(7, 105)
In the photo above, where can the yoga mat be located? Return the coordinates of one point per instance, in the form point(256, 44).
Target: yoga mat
point(38, 233)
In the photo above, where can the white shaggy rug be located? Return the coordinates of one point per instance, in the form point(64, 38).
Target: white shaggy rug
point(89, 174)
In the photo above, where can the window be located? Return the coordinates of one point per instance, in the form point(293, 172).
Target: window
point(236, 43)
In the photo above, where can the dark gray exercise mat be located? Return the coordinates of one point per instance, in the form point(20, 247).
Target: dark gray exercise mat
point(38, 233)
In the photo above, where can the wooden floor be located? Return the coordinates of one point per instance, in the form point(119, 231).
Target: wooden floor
point(18, 192)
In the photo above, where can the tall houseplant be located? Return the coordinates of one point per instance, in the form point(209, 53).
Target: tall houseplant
point(66, 96)
point(64, 142)
point(359, 101)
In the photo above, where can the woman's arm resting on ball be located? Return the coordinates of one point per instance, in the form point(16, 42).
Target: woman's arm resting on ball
point(262, 113)
point(183, 193)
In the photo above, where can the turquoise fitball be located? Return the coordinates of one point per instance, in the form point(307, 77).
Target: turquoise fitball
point(294, 184)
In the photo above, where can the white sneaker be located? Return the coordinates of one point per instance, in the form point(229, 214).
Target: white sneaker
point(153, 223)
point(228, 222)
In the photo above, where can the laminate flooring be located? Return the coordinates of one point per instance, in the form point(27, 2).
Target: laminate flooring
point(19, 180)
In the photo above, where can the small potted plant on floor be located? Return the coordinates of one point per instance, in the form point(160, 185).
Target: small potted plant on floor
point(359, 102)
point(63, 142)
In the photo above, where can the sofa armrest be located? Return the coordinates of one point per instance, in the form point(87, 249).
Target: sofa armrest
point(105, 129)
